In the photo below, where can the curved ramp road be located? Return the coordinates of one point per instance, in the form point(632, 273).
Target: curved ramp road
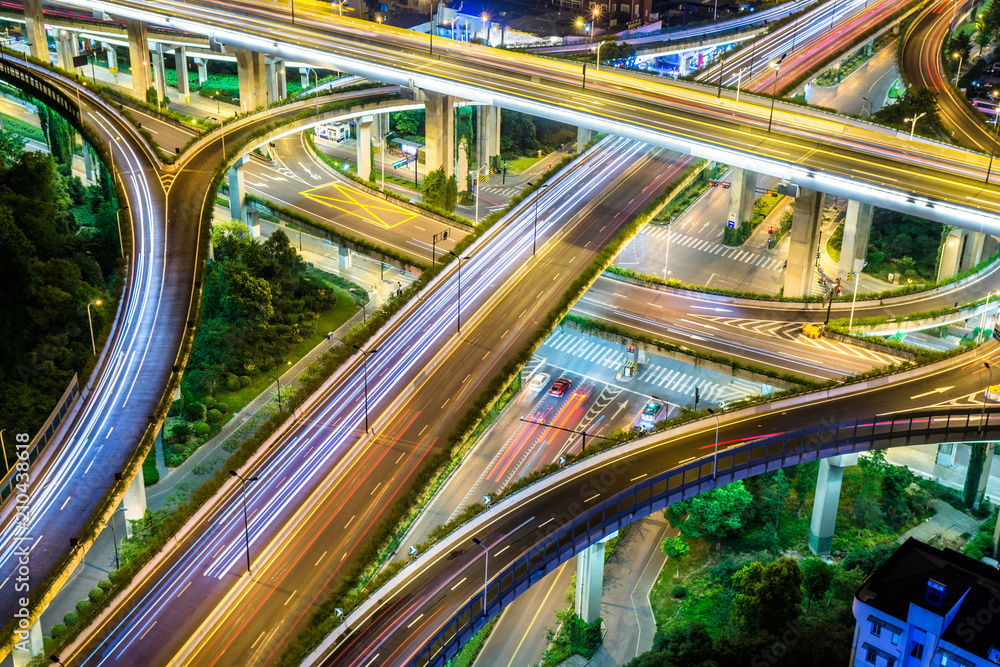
point(77, 468)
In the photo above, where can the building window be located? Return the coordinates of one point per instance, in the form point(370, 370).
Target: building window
point(895, 639)
point(870, 656)
point(917, 651)
point(876, 630)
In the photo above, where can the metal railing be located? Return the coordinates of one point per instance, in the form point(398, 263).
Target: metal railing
point(21, 76)
point(659, 491)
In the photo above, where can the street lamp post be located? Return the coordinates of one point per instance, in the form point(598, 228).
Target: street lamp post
point(854, 298)
point(867, 105)
point(534, 225)
point(459, 311)
point(486, 571)
point(982, 322)
point(118, 216)
point(274, 378)
point(774, 90)
point(597, 65)
point(486, 28)
point(982, 417)
point(722, 68)
point(90, 321)
point(715, 462)
point(114, 536)
point(246, 523)
point(913, 122)
point(364, 355)
point(958, 72)
point(739, 80)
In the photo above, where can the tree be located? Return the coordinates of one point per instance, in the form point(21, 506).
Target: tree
point(451, 194)
point(775, 495)
point(251, 295)
point(676, 548)
point(914, 102)
point(11, 148)
point(434, 188)
point(408, 123)
point(982, 37)
point(816, 578)
point(767, 596)
point(846, 583)
point(713, 514)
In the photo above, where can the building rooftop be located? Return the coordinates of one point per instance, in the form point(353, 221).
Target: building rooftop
point(938, 581)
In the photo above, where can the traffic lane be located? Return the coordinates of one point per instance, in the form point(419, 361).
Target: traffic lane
point(452, 390)
point(166, 652)
point(554, 510)
point(168, 136)
point(873, 80)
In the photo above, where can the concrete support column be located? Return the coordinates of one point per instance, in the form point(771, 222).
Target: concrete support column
point(345, 257)
point(583, 137)
point(590, 580)
point(67, 46)
point(238, 193)
point(135, 503)
point(88, 161)
point(202, 66)
point(440, 133)
point(274, 76)
point(857, 227)
point(159, 71)
point(487, 134)
point(32, 641)
point(109, 50)
point(138, 55)
point(804, 241)
point(304, 77)
point(364, 126)
point(824, 517)
point(684, 68)
point(984, 476)
point(742, 195)
point(973, 250)
point(34, 30)
point(181, 65)
point(253, 92)
point(951, 254)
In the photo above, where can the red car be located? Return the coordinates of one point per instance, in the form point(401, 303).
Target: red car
point(559, 387)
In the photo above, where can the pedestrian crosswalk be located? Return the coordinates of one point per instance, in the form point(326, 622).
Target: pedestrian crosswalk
point(679, 380)
point(761, 259)
point(501, 191)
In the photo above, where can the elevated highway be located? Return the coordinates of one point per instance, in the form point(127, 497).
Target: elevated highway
point(816, 151)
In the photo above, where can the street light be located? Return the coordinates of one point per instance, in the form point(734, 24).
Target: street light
point(597, 66)
point(478, 184)
point(867, 104)
point(364, 355)
point(118, 216)
point(739, 80)
point(486, 571)
point(486, 28)
point(534, 225)
point(774, 90)
point(913, 123)
point(460, 260)
point(114, 536)
point(246, 524)
point(90, 320)
point(854, 299)
point(982, 417)
point(722, 68)
point(272, 378)
point(715, 463)
point(958, 72)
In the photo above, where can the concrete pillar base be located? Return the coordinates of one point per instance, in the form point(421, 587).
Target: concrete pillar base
point(857, 227)
point(583, 137)
point(304, 77)
point(109, 51)
point(590, 580)
point(487, 134)
point(364, 149)
point(238, 192)
point(824, 517)
point(138, 56)
point(160, 73)
point(34, 30)
point(804, 242)
point(345, 257)
point(67, 46)
point(274, 79)
point(742, 195)
point(984, 477)
point(29, 644)
point(202, 66)
point(181, 65)
point(440, 132)
point(253, 91)
point(135, 503)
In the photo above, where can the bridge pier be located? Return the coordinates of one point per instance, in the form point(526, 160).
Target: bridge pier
point(364, 125)
point(202, 66)
point(238, 196)
point(344, 259)
point(857, 227)
point(984, 476)
point(35, 646)
point(804, 242)
point(138, 55)
point(440, 133)
point(274, 78)
point(109, 51)
point(181, 65)
point(250, 67)
point(684, 64)
point(487, 134)
point(962, 250)
point(304, 77)
point(742, 195)
point(34, 30)
point(135, 503)
point(824, 517)
point(67, 46)
point(160, 72)
point(583, 137)
point(590, 580)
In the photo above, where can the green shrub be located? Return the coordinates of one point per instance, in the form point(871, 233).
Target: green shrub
point(105, 584)
point(232, 382)
point(176, 407)
point(244, 380)
point(195, 411)
point(678, 591)
point(70, 618)
point(223, 408)
point(57, 629)
point(214, 416)
point(83, 606)
point(177, 448)
point(96, 594)
point(210, 402)
point(202, 429)
point(113, 576)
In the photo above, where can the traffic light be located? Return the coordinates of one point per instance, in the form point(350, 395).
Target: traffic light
point(996, 333)
point(697, 396)
point(770, 229)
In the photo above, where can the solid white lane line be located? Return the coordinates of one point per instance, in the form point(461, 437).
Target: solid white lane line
point(290, 597)
point(318, 560)
point(459, 583)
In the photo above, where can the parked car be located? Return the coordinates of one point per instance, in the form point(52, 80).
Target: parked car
point(559, 387)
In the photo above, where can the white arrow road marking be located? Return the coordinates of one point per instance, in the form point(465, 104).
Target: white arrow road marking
point(939, 390)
